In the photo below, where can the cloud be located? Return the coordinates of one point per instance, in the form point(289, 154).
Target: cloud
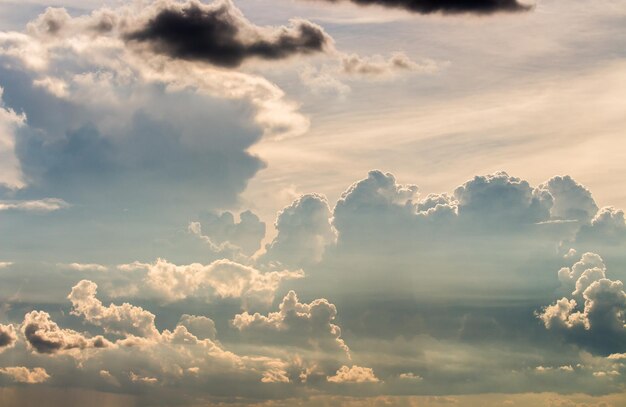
point(304, 232)
point(308, 326)
point(91, 116)
point(221, 279)
point(608, 227)
point(84, 267)
point(501, 199)
point(449, 6)
point(124, 319)
point(223, 234)
point(200, 326)
point(41, 205)
point(21, 374)
point(354, 64)
point(410, 376)
point(354, 374)
point(572, 201)
point(596, 315)
point(10, 170)
point(44, 336)
point(8, 337)
point(220, 34)
point(144, 356)
point(353, 67)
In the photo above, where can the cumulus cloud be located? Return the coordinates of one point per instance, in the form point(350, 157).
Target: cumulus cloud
point(304, 232)
point(571, 200)
point(353, 374)
point(220, 34)
point(44, 335)
point(200, 326)
point(221, 279)
point(21, 374)
point(222, 233)
point(596, 315)
point(449, 6)
point(308, 326)
point(500, 199)
point(124, 319)
point(137, 125)
point(608, 226)
point(144, 356)
point(8, 337)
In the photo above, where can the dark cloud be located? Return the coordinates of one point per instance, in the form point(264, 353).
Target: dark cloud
point(45, 336)
point(450, 6)
point(7, 336)
point(221, 36)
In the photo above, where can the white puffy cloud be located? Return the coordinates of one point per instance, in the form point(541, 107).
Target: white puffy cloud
point(596, 315)
point(8, 337)
point(304, 232)
point(501, 200)
point(308, 326)
point(44, 335)
point(124, 319)
point(220, 279)
point(21, 374)
point(353, 374)
point(588, 269)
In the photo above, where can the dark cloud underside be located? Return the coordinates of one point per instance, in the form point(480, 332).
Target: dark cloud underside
point(220, 36)
point(450, 6)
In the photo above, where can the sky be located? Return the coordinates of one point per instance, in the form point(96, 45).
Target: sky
point(312, 203)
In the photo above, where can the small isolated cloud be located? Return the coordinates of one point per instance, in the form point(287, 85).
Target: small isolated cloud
point(449, 6)
point(354, 64)
point(219, 34)
point(135, 378)
point(41, 205)
point(410, 376)
point(353, 67)
point(354, 374)
point(83, 267)
point(5, 264)
point(20, 374)
point(308, 326)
